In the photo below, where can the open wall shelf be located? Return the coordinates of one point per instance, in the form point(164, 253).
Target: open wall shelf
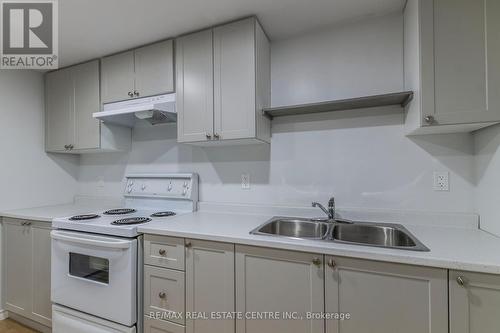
point(398, 98)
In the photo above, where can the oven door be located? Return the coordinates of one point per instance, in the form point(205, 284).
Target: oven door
point(95, 274)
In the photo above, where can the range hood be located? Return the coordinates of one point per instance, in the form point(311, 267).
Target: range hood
point(156, 110)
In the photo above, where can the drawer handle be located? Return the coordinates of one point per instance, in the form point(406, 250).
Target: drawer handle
point(331, 263)
point(461, 281)
point(162, 295)
point(316, 261)
point(162, 252)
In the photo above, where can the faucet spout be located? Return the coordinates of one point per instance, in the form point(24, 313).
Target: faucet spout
point(330, 212)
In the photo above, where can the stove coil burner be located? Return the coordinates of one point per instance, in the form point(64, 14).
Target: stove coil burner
point(120, 211)
point(163, 214)
point(84, 217)
point(131, 220)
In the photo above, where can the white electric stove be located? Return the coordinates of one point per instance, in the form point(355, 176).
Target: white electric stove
point(97, 257)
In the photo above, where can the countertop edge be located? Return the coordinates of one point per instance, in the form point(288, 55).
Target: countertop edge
point(362, 253)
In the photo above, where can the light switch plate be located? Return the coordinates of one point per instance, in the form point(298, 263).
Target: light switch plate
point(441, 181)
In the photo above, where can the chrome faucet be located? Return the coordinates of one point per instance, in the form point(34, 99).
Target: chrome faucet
point(331, 208)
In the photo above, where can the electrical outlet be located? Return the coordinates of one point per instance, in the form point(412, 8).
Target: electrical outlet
point(441, 181)
point(245, 181)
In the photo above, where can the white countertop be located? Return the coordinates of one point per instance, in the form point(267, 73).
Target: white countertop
point(80, 205)
point(460, 248)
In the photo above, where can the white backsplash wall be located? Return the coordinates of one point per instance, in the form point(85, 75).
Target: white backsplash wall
point(487, 149)
point(30, 177)
point(362, 157)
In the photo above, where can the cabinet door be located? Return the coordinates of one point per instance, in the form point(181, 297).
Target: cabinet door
point(41, 252)
point(117, 77)
point(234, 80)
point(17, 258)
point(195, 87)
point(86, 83)
point(59, 110)
point(474, 302)
point(290, 283)
point(154, 69)
point(464, 52)
point(209, 285)
point(385, 297)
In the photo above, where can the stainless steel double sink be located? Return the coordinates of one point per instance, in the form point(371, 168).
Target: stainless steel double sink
point(386, 235)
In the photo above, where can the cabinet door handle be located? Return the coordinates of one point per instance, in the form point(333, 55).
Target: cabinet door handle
point(162, 295)
point(331, 263)
point(208, 135)
point(461, 281)
point(216, 136)
point(316, 261)
point(136, 93)
point(429, 119)
point(162, 252)
point(189, 245)
point(130, 94)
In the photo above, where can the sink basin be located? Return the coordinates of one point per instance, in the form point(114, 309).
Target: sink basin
point(377, 234)
point(294, 228)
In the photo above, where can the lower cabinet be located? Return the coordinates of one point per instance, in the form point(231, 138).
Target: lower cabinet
point(197, 290)
point(284, 284)
point(26, 255)
point(474, 302)
point(161, 326)
point(385, 297)
point(209, 286)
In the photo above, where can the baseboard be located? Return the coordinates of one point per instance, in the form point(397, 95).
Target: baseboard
point(30, 323)
point(4, 314)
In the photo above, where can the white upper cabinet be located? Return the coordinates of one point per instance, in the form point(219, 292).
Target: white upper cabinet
point(143, 72)
point(195, 87)
point(72, 96)
point(223, 77)
point(452, 51)
point(117, 77)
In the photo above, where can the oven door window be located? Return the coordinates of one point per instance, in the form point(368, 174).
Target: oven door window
point(89, 268)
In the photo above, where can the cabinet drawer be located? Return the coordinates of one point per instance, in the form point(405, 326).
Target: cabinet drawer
point(164, 293)
point(163, 251)
point(160, 326)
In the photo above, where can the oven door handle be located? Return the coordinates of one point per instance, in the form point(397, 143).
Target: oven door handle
point(108, 243)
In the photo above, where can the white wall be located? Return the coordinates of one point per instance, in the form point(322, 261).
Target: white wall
point(360, 156)
point(487, 196)
point(29, 176)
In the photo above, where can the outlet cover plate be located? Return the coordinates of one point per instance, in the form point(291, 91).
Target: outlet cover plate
point(441, 181)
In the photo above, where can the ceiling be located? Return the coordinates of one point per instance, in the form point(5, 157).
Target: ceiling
point(94, 28)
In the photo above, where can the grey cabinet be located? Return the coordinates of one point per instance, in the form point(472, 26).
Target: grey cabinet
point(384, 297)
point(152, 325)
point(72, 96)
point(143, 72)
point(209, 285)
point(452, 50)
point(286, 282)
point(195, 87)
point(223, 77)
point(59, 108)
point(26, 255)
point(474, 302)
